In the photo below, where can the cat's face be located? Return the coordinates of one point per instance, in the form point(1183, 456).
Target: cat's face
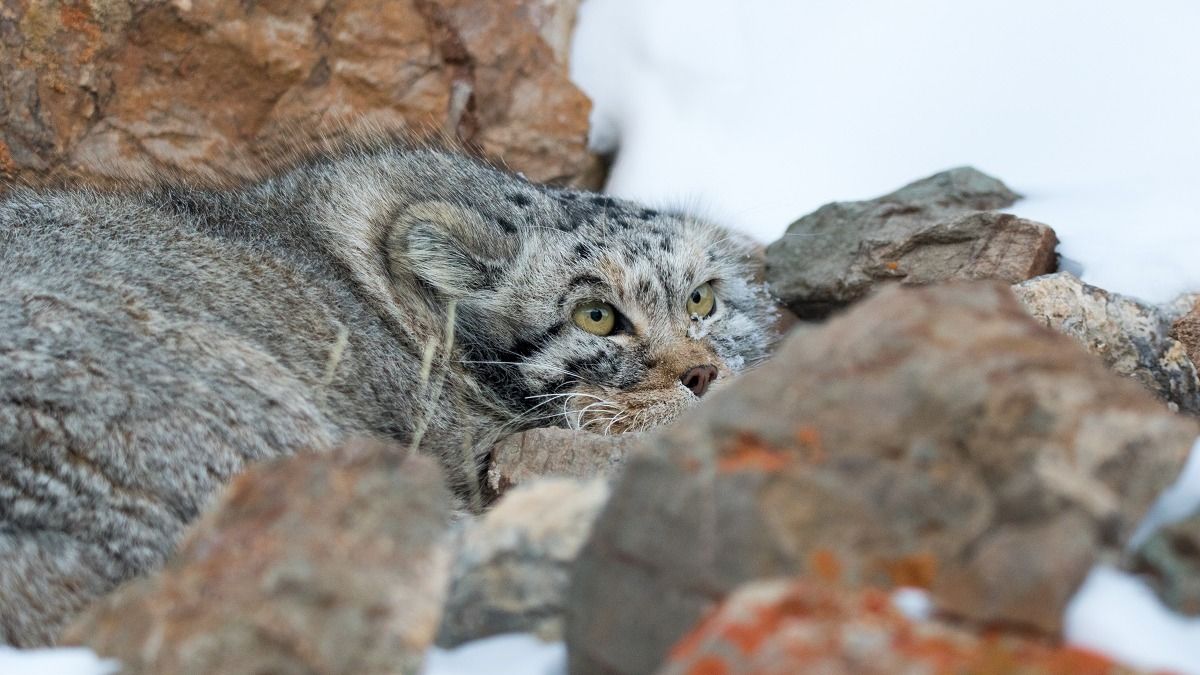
point(582, 311)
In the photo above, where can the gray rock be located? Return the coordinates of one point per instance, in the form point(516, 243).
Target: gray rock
point(935, 229)
point(332, 563)
point(1170, 561)
point(934, 437)
point(1131, 337)
point(555, 452)
point(513, 564)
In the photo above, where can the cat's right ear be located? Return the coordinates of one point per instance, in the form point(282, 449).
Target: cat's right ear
point(453, 249)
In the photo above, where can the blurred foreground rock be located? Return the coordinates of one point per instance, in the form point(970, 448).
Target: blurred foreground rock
point(934, 437)
point(1131, 337)
point(105, 90)
point(555, 452)
point(787, 627)
point(513, 563)
point(314, 564)
point(935, 229)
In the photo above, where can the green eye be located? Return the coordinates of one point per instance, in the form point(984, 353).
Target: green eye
point(597, 318)
point(701, 301)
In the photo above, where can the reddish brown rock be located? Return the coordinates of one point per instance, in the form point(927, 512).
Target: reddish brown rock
point(106, 90)
point(787, 627)
point(934, 437)
point(936, 229)
point(315, 564)
point(555, 452)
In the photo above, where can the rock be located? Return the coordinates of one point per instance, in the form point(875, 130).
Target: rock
point(934, 437)
point(513, 564)
point(1186, 329)
point(936, 229)
point(1170, 561)
point(1131, 337)
point(106, 90)
point(555, 452)
point(802, 626)
point(313, 564)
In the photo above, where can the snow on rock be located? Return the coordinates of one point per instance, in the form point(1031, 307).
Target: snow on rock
point(758, 112)
point(73, 661)
point(510, 654)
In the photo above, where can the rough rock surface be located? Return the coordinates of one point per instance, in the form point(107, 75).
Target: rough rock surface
point(1131, 337)
point(935, 229)
point(1170, 560)
point(555, 452)
point(934, 437)
point(105, 90)
point(785, 627)
point(1186, 329)
point(513, 564)
point(314, 564)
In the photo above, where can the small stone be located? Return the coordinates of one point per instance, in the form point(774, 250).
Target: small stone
point(555, 452)
point(332, 563)
point(1186, 329)
point(934, 437)
point(513, 563)
point(1132, 337)
point(936, 229)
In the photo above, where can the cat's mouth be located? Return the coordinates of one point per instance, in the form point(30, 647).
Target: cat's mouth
point(659, 399)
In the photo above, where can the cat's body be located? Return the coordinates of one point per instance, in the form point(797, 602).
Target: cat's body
point(153, 343)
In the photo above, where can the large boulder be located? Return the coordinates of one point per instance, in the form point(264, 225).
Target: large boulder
point(513, 564)
point(1133, 338)
point(109, 90)
point(804, 626)
point(935, 229)
point(332, 563)
point(935, 437)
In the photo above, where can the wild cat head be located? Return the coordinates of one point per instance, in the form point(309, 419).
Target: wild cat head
point(575, 309)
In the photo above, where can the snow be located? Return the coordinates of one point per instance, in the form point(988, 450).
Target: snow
point(511, 654)
point(1176, 503)
point(913, 603)
point(756, 112)
point(1114, 613)
point(61, 661)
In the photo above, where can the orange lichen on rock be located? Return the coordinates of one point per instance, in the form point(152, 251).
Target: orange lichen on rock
point(748, 452)
point(783, 627)
point(918, 570)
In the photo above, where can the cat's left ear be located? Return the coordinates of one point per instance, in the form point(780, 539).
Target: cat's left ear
point(455, 250)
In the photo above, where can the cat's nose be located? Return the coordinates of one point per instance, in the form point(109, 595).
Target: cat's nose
point(697, 378)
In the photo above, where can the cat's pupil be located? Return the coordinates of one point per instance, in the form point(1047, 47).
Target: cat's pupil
point(696, 297)
point(597, 315)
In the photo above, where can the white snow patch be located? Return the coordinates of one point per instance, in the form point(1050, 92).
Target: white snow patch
point(511, 654)
point(60, 661)
point(757, 112)
point(913, 603)
point(1116, 614)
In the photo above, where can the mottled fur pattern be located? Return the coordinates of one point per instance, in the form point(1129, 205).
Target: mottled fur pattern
point(153, 343)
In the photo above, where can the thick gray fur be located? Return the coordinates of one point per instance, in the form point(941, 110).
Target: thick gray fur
point(153, 343)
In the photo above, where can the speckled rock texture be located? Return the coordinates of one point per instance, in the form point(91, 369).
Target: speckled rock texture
point(1133, 338)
